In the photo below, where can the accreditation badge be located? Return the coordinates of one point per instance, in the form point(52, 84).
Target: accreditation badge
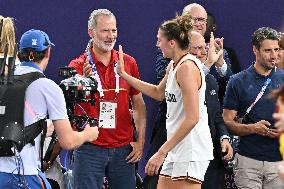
point(107, 118)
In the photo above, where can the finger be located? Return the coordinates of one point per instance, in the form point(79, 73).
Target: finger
point(149, 169)
point(271, 135)
point(222, 42)
point(264, 122)
point(216, 46)
point(133, 160)
point(157, 170)
point(212, 41)
point(220, 53)
point(120, 53)
point(223, 147)
point(130, 155)
point(134, 156)
point(227, 157)
point(273, 132)
point(152, 170)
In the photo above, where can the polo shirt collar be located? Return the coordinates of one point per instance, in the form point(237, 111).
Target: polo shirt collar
point(114, 56)
point(257, 75)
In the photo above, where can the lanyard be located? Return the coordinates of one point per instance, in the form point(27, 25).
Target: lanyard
point(266, 83)
point(30, 64)
point(95, 71)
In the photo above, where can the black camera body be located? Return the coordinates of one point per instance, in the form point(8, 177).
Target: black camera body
point(78, 89)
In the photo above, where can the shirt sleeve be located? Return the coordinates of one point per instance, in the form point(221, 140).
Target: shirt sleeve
point(222, 71)
point(55, 101)
point(231, 100)
point(78, 63)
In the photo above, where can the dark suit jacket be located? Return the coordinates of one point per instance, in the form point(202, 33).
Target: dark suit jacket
point(215, 119)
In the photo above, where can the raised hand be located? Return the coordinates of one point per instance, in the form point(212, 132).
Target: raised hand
point(120, 65)
point(213, 54)
point(220, 45)
point(87, 68)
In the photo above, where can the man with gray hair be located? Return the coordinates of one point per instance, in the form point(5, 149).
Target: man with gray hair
point(221, 68)
point(114, 153)
point(246, 98)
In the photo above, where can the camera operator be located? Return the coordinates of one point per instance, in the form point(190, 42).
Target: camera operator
point(42, 98)
point(114, 153)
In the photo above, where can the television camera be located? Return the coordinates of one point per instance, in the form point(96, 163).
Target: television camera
point(78, 89)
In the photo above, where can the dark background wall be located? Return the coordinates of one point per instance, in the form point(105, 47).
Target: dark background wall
point(66, 24)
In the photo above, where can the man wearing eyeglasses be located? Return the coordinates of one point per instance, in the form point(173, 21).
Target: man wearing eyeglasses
point(215, 174)
point(222, 67)
point(159, 132)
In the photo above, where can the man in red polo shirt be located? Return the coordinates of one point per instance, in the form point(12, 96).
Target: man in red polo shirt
point(114, 153)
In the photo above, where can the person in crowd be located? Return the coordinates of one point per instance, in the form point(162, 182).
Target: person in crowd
point(159, 131)
point(7, 37)
point(114, 154)
point(248, 114)
point(43, 98)
point(223, 151)
point(185, 163)
point(214, 176)
point(222, 67)
point(52, 168)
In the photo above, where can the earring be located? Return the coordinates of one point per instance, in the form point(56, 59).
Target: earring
point(31, 57)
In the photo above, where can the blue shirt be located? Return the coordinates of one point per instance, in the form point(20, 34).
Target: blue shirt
point(241, 92)
point(43, 97)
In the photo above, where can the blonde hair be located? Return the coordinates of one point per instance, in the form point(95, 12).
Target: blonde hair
point(7, 35)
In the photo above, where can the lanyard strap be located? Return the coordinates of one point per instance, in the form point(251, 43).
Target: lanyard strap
point(266, 83)
point(95, 71)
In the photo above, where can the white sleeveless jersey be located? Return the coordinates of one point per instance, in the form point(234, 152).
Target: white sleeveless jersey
point(197, 145)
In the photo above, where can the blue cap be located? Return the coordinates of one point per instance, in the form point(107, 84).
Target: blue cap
point(35, 39)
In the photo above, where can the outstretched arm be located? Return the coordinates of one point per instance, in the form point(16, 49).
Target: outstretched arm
point(69, 139)
point(156, 92)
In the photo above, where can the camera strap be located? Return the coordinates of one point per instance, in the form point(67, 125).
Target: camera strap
point(100, 88)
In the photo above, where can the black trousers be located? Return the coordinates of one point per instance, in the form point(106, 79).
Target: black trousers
point(215, 176)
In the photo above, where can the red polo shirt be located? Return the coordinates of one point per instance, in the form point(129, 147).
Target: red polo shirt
point(123, 133)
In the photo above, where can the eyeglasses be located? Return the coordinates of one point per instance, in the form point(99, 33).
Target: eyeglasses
point(200, 20)
point(200, 48)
